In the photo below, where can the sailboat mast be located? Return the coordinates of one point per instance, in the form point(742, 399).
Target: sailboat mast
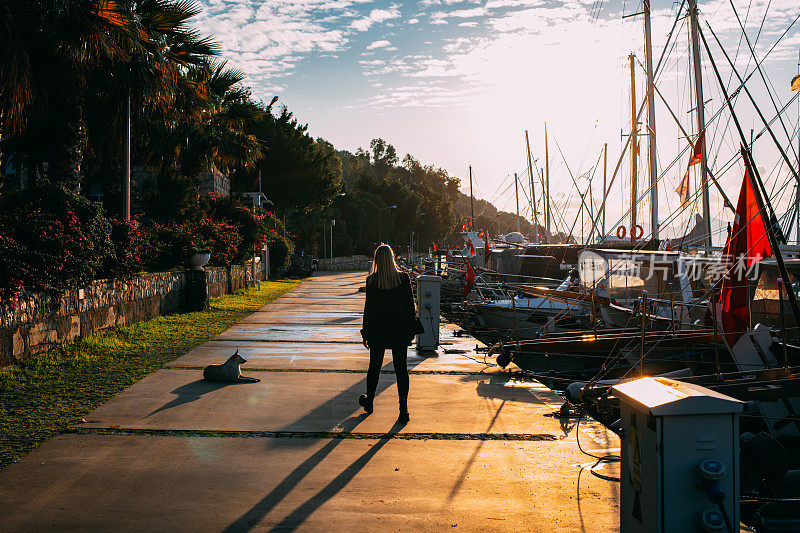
point(605, 173)
point(701, 119)
point(533, 189)
point(516, 195)
point(471, 202)
point(634, 149)
point(547, 186)
point(651, 123)
point(546, 192)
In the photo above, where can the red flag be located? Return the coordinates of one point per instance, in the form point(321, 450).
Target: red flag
point(435, 248)
point(683, 188)
point(486, 249)
point(469, 279)
point(697, 153)
point(471, 249)
point(747, 245)
point(464, 227)
point(470, 224)
point(480, 235)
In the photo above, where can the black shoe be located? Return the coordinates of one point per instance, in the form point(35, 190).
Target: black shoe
point(365, 403)
point(404, 417)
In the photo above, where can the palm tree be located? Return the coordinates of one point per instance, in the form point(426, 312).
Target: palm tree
point(58, 57)
point(48, 49)
point(160, 47)
point(208, 124)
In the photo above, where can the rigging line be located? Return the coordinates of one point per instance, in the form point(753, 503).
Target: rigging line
point(691, 145)
point(638, 116)
point(747, 66)
point(496, 193)
point(583, 204)
point(760, 70)
point(657, 72)
point(752, 100)
point(734, 158)
point(758, 63)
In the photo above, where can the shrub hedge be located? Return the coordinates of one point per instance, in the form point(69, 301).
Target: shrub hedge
point(53, 239)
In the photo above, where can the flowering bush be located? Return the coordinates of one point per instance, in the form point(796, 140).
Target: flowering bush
point(251, 227)
point(217, 236)
point(52, 239)
point(130, 244)
point(55, 239)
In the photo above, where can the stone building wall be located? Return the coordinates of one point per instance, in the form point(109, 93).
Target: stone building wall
point(39, 322)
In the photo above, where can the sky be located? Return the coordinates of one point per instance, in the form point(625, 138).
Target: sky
point(456, 83)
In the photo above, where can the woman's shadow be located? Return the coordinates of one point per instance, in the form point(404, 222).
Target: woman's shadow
point(251, 518)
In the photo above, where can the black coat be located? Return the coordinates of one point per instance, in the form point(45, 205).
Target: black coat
point(389, 315)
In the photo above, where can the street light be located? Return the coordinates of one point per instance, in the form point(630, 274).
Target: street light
point(324, 235)
point(411, 241)
point(380, 212)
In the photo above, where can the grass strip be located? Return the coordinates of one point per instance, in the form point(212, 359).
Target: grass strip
point(309, 434)
point(54, 390)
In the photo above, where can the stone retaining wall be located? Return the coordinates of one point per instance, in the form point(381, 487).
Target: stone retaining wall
point(39, 322)
point(353, 262)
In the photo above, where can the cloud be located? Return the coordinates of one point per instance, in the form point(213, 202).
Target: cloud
point(412, 21)
point(375, 16)
point(378, 44)
point(267, 39)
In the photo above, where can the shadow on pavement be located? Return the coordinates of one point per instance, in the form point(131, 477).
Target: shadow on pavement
point(299, 515)
point(190, 392)
point(252, 517)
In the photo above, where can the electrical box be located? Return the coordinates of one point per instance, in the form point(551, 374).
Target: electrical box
point(429, 290)
point(680, 457)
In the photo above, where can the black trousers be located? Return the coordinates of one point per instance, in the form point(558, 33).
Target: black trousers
point(399, 357)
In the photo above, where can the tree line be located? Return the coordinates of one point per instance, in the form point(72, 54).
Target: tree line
point(73, 71)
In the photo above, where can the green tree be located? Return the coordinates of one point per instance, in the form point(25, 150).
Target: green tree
point(48, 49)
point(297, 172)
point(207, 125)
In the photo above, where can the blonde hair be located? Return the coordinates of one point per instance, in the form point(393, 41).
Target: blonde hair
point(384, 271)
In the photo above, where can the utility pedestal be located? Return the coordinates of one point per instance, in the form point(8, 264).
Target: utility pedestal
point(428, 296)
point(196, 290)
point(680, 457)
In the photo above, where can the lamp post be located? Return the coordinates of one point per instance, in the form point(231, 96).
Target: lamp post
point(333, 223)
point(380, 212)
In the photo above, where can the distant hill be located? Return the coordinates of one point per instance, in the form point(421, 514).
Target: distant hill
point(496, 222)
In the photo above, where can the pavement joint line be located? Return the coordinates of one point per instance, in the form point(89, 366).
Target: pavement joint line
point(340, 370)
point(285, 340)
point(294, 324)
point(130, 432)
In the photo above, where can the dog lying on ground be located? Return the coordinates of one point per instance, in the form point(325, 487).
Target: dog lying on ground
point(228, 371)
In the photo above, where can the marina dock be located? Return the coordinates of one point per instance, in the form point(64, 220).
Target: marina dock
point(482, 452)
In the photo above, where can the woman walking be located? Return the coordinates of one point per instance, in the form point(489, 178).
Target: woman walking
point(389, 322)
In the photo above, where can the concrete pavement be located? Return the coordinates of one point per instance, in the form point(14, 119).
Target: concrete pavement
point(295, 452)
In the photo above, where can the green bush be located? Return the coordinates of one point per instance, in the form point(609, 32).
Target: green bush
point(280, 253)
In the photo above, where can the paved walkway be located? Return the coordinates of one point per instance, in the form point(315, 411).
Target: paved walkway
point(295, 452)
